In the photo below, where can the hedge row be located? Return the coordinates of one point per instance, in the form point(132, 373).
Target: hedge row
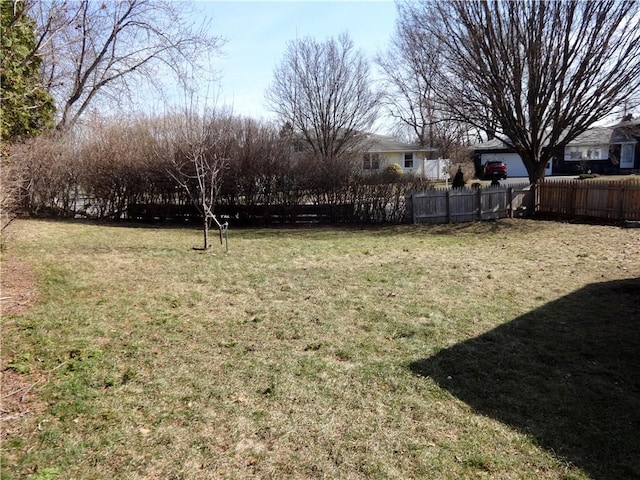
point(120, 170)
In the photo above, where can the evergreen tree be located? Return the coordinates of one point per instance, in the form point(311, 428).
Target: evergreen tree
point(26, 107)
point(458, 179)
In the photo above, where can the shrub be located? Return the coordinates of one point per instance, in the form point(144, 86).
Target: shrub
point(393, 172)
point(458, 179)
point(48, 168)
point(586, 176)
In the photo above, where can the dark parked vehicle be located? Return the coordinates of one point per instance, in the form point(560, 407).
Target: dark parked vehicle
point(495, 169)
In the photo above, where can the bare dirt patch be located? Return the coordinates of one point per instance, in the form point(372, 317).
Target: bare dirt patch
point(17, 287)
point(18, 401)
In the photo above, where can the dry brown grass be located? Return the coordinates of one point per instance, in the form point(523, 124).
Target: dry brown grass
point(299, 354)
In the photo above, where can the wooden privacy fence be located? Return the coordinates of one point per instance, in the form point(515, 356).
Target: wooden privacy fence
point(606, 200)
point(610, 200)
point(244, 214)
point(467, 205)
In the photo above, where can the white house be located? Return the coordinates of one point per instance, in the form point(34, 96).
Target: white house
point(381, 151)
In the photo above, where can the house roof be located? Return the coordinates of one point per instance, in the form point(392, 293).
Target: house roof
point(593, 136)
point(624, 132)
point(493, 144)
point(376, 143)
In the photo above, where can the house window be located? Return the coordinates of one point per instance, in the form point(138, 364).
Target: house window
point(370, 161)
point(580, 153)
point(408, 160)
point(575, 155)
point(627, 154)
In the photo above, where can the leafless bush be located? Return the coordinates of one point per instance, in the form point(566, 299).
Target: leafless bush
point(11, 189)
point(261, 168)
point(115, 167)
point(46, 170)
point(380, 198)
point(120, 166)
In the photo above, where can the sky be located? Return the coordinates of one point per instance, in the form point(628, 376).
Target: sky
point(257, 33)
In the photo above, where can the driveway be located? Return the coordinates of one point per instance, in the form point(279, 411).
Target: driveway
point(521, 180)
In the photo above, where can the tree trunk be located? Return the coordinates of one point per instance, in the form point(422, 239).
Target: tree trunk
point(535, 164)
point(205, 229)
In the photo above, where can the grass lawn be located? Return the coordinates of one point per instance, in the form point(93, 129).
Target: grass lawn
point(501, 350)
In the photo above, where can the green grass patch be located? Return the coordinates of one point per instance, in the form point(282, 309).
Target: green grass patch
point(324, 353)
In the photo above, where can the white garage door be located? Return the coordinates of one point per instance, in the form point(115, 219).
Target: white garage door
point(515, 167)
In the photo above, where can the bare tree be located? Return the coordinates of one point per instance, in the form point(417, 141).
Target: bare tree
point(199, 147)
point(414, 92)
point(94, 49)
point(544, 71)
point(323, 90)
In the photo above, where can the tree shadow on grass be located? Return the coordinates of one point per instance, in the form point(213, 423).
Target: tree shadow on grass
point(567, 374)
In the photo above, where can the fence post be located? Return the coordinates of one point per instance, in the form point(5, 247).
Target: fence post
point(448, 206)
point(408, 207)
point(478, 198)
point(510, 201)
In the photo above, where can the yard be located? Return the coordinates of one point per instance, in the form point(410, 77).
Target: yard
point(502, 350)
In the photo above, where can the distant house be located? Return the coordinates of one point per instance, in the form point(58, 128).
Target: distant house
point(496, 150)
point(381, 151)
point(606, 150)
